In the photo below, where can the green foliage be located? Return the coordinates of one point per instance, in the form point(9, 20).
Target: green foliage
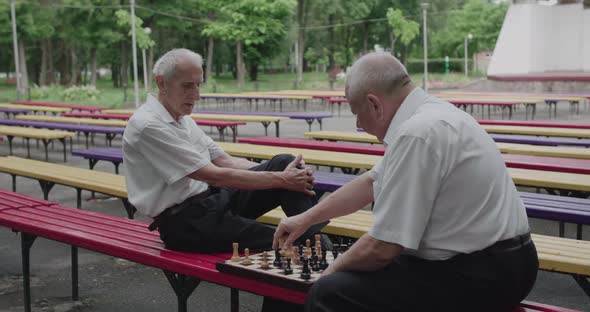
point(80, 93)
point(406, 30)
point(141, 37)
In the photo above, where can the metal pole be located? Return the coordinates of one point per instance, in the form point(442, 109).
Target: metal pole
point(145, 82)
point(134, 48)
point(15, 45)
point(425, 32)
point(465, 56)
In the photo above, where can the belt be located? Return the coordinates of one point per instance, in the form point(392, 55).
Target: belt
point(176, 208)
point(506, 245)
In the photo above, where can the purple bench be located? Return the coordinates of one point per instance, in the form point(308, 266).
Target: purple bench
point(308, 117)
point(14, 111)
point(543, 206)
point(110, 132)
point(537, 140)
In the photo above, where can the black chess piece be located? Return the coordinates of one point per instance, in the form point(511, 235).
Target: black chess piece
point(324, 262)
point(288, 269)
point(335, 251)
point(305, 272)
point(301, 256)
point(315, 264)
point(277, 263)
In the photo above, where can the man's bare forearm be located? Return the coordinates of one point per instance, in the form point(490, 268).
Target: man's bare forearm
point(367, 254)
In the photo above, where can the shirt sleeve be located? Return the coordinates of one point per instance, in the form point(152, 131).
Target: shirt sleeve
point(408, 184)
point(214, 149)
point(173, 157)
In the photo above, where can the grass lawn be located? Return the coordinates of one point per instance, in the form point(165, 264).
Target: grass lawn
point(108, 96)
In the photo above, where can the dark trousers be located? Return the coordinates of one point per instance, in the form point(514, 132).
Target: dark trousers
point(226, 216)
point(483, 281)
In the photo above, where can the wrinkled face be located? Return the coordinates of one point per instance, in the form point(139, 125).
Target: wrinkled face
point(180, 92)
point(364, 118)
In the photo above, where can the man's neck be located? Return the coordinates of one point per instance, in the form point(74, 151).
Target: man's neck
point(163, 102)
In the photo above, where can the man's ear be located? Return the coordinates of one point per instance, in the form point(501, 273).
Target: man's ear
point(375, 105)
point(161, 84)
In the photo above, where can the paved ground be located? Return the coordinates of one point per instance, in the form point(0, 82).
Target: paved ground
point(109, 284)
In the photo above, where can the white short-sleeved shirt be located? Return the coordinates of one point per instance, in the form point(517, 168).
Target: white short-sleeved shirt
point(442, 187)
point(159, 153)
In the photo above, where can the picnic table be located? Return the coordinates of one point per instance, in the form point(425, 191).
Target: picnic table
point(308, 117)
point(13, 111)
point(43, 109)
point(63, 105)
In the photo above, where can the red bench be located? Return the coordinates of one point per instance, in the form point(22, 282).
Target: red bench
point(336, 100)
point(130, 240)
point(219, 124)
point(53, 104)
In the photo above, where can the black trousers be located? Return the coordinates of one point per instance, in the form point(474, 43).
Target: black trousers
point(227, 215)
point(483, 281)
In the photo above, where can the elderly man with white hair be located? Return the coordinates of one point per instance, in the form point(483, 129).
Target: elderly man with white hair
point(202, 199)
point(450, 232)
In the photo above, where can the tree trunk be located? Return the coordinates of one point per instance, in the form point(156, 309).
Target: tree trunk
point(365, 37)
point(64, 64)
point(332, 44)
point(124, 67)
point(254, 72)
point(23, 67)
point(74, 66)
point(115, 75)
point(50, 65)
point(240, 67)
point(300, 40)
point(43, 71)
point(93, 66)
point(209, 59)
point(150, 65)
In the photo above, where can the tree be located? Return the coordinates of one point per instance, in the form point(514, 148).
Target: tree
point(249, 22)
point(403, 29)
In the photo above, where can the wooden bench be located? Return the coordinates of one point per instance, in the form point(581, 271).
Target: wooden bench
point(13, 111)
point(220, 125)
point(540, 131)
point(81, 121)
point(62, 105)
point(581, 166)
point(46, 136)
point(130, 240)
point(87, 130)
point(545, 124)
point(308, 117)
point(44, 109)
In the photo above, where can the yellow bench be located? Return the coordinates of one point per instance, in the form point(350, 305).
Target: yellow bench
point(73, 120)
point(540, 131)
point(45, 135)
point(45, 109)
point(49, 174)
point(556, 254)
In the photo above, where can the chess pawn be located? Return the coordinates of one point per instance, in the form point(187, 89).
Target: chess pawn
point(236, 256)
point(264, 264)
point(305, 272)
point(324, 261)
point(317, 237)
point(288, 269)
point(277, 262)
point(307, 243)
point(295, 255)
point(246, 260)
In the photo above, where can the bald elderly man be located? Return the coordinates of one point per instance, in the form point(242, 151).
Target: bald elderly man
point(450, 232)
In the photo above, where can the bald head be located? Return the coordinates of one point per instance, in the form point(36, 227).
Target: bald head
point(378, 73)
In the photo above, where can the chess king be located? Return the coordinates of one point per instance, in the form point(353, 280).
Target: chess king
point(450, 232)
point(201, 198)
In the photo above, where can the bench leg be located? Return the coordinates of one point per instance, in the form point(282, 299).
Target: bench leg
point(583, 282)
point(29, 148)
point(265, 124)
point(74, 253)
point(129, 208)
point(183, 287)
point(116, 166)
point(45, 143)
point(46, 187)
point(234, 299)
point(277, 128)
point(320, 122)
point(309, 122)
point(27, 241)
point(9, 137)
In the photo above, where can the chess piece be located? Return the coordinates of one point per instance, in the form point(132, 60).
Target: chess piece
point(246, 260)
point(307, 243)
point(236, 256)
point(324, 261)
point(277, 262)
point(315, 263)
point(318, 238)
point(264, 264)
point(288, 269)
point(295, 255)
point(305, 272)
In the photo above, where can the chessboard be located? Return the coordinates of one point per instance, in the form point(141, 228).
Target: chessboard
point(275, 273)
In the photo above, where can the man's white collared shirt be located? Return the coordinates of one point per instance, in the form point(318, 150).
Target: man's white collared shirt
point(159, 153)
point(442, 187)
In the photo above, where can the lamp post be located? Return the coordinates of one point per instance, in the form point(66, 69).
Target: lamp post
point(147, 31)
point(467, 39)
point(424, 6)
point(16, 56)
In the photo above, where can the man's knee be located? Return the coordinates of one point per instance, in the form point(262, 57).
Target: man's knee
point(280, 161)
point(324, 293)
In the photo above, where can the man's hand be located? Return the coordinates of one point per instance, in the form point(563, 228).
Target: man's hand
point(298, 177)
point(289, 230)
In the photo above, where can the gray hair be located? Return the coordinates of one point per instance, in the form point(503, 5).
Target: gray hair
point(166, 64)
point(376, 72)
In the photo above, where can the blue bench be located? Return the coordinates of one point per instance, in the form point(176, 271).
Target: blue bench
point(110, 132)
point(308, 117)
point(13, 111)
point(539, 140)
